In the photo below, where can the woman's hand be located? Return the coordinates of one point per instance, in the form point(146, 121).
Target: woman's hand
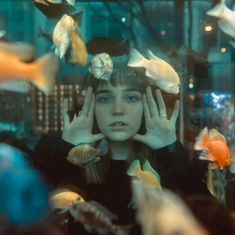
point(160, 131)
point(79, 130)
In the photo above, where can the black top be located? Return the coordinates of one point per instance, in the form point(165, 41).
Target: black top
point(178, 172)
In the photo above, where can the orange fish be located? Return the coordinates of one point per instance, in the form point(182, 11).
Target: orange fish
point(41, 72)
point(214, 148)
point(78, 53)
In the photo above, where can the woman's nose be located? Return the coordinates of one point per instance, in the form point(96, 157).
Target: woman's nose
point(118, 108)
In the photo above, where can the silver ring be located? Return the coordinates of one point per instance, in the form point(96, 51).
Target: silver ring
point(162, 115)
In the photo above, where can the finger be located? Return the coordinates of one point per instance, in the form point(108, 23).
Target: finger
point(97, 137)
point(175, 113)
point(161, 104)
point(85, 108)
point(139, 137)
point(65, 108)
point(146, 108)
point(151, 102)
point(92, 108)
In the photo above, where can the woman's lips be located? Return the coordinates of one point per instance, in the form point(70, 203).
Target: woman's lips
point(118, 126)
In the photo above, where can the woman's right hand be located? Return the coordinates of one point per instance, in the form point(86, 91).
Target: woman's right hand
point(79, 130)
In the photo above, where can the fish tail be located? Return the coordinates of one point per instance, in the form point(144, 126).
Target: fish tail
point(136, 59)
point(202, 138)
point(218, 10)
point(45, 75)
point(134, 168)
point(148, 167)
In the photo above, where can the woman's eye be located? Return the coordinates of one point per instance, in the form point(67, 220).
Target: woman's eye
point(103, 99)
point(132, 98)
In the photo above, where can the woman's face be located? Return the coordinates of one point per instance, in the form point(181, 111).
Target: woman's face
point(118, 111)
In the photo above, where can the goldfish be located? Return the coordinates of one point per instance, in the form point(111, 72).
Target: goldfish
point(96, 218)
point(63, 198)
point(214, 148)
point(61, 35)
point(41, 72)
point(101, 66)
point(78, 52)
point(162, 212)
point(226, 18)
point(86, 153)
point(148, 175)
point(23, 51)
point(162, 73)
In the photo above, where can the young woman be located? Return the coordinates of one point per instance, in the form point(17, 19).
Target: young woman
point(129, 112)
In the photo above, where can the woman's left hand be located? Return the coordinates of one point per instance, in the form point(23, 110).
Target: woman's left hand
point(160, 131)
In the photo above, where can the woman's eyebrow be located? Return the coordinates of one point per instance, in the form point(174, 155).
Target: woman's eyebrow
point(132, 89)
point(102, 91)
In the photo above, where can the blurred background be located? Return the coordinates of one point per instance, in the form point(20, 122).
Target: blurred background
point(178, 30)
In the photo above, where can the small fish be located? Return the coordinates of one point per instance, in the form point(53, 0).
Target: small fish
point(148, 175)
point(96, 218)
point(55, 9)
point(41, 72)
point(63, 198)
point(226, 18)
point(111, 46)
point(214, 148)
point(61, 35)
point(23, 51)
point(101, 66)
point(162, 212)
point(159, 70)
point(78, 51)
point(24, 195)
point(85, 153)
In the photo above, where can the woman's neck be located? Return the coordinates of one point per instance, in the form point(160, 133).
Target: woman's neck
point(120, 150)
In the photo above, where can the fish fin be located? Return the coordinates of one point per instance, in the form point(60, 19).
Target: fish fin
point(202, 137)
point(226, 28)
point(70, 2)
point(136, 59)
point(152, 56)
point(232, 43)
point(102, 208)
point(104, 147)
point(217, 11)
point(215, 135)
point(134, 168)
point(148, 167)
point(45, 75)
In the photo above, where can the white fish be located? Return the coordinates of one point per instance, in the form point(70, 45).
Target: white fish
point(163, 212)
point(159, 70)
point(61, 35)
point(226, 18)
point(101, 66)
